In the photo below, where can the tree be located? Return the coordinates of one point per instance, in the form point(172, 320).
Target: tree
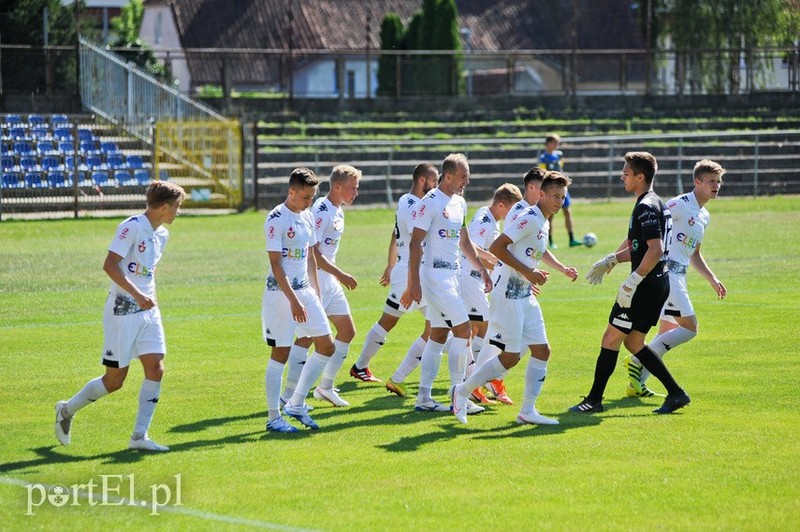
point(391, 39)
point(127, 43)
point(713, 38)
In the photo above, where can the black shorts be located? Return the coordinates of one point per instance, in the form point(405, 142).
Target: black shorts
point(645, 309)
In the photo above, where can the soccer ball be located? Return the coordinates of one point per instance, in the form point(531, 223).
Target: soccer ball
point(589, 239)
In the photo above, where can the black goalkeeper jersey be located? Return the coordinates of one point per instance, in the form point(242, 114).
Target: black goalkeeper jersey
point(650, 219)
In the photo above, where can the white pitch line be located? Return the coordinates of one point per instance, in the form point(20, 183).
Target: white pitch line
point(208, 516)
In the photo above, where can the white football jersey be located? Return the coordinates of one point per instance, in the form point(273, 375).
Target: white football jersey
point(689, 223)
point(329, 227)
point(291, 233)
point(442, 216)
point(141, 248)
point(518, 208)
point(483, 229)
point(404, 225)
point(528, 234)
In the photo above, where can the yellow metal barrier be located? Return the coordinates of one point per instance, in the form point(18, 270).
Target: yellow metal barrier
point(204, 157)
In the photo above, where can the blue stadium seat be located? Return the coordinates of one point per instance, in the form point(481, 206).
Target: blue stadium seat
point(22, 148)
point(88, 147)
point(94, 162)
point(116, 161)
point(40, 133)
point(7, 149)
point(124, 178)
point(46, 147)
point(66, 147)
point(12, 120)
point(142, 176)
point(84, 179)
point(36, 120)
point(59, 121)
point(102, 179)
point(18, 133)
point(13, 180)
point(69, 164)
point(62, 133)
point(8, 163)
point(28, 164)
point(50, 163)
point(109, 147)
point(59, 180)
point(35, 180)
point(135, 162)
point(85, 135)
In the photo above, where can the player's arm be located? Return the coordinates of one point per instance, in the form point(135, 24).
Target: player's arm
point(112, 269)
point(486, 257)
point(414, 289)
point(551, 260)
point(390, 261)
point(326, 265)
point(699, 262)
point(276, 267)
point(499, 248)
point(653, 255)
point(470, 251)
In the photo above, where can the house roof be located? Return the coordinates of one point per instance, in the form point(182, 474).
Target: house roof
point(338, 25)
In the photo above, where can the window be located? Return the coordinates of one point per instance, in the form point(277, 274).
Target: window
point(351, 84)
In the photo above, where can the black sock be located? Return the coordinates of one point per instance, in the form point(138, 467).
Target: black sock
point(606, 362)
point(571, 236)
point(655, 365)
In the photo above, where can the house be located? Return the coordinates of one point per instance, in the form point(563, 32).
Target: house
point(247, 42)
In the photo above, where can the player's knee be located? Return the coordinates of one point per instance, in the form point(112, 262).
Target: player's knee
point(113, 383)
point(154, 373)
point(324, 346)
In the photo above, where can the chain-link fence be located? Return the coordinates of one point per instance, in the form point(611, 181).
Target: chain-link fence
point(757, 163)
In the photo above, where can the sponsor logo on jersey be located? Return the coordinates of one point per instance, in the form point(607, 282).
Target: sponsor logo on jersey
point(691, 221)
point(319, 223)
point(271, 232)
point(686, 240)
point(322, 207)
point(445, 213)
point(485, 220)
point(522, 224)
point(275, 214)
point(482, 231)
point(331, 241)
point(410, 201)
point(338, 225)
point(534, 253)
point(124, 234)
point(142, 246)
point(450, 234)
point(140, 270)
point(291, 232)
point(294, 253)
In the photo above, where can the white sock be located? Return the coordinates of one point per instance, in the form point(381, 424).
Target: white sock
point(472, 355)
point(429, 367)
point(272, 381)
point(372, 343)
point(296, 362)
point(457, 360)
point(486, 372)
point(447, 343)
point(410, 361)
point(535, 374)
point(487, 352)
point(334, 364)
point(664, 342)
point(91, 392)
point(477, 345)
point(148, 399)
point(311, 371)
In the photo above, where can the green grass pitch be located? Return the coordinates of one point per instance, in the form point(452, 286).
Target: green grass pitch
point(731, 460)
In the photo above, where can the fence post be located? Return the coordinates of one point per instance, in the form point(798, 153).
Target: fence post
point(389, 199)
point(610, 169)
point(76, 143)
point(255, 164)
point(755, 167)
point(679, 183)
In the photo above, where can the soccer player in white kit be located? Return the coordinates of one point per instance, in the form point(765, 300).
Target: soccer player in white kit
point(291, 302)
point(690, 219)
point(441, 225)
point(515, 317)
point(424, 179)
point(132, 319)
point(329, 227)
point(483, 229)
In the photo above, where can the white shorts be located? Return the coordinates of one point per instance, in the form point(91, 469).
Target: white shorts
point(334, 302)
point(515, 323)
point(475, 299)
point(678, 302)
point(442, 289)
point(398, 279)
point(128, 336)
point(279, 327)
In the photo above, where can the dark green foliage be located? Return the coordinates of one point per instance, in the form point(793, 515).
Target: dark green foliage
point(391, 39)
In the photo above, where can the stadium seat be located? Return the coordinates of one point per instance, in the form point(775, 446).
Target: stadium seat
point(40, 133)
point(59, 180)
point(12, 120)
point(59, 121)
point(141, 176)
point(124, 178)
point(36, 120)
point(7, 148)
point(46, 147)
point(8, 163)
point(84, 180)
point(109, 147)
point(62, 133)
point(116, 161)
point(22, 148)
point(35, 180)
point(135, 162)
point(85, 135)
point(18, 133)
point(66, 147)
point(102, 179)
point(50, 163)
point(94, 162)
point(13, 180)
point(69, 164)
point(88, 147)
point(28, 164)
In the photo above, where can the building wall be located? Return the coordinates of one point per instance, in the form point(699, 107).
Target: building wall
point(159, 32)
point(319, 79)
